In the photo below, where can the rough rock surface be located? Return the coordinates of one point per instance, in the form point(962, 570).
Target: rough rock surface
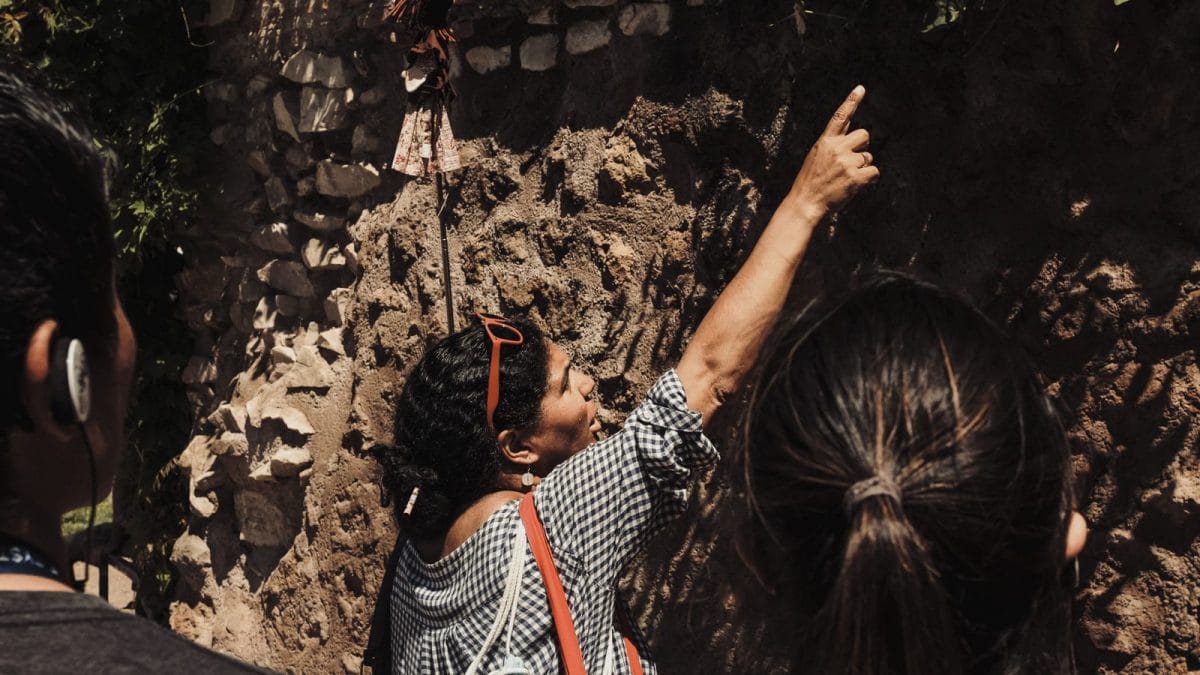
point(1038, 156)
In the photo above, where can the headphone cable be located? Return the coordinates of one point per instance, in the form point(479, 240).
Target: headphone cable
point(81, 584)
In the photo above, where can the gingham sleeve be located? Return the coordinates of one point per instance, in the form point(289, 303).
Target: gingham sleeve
point(602, 503)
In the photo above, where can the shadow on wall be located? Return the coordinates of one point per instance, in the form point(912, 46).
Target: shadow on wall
point(1038, 156)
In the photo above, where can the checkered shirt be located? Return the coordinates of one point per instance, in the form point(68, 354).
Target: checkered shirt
point(597, 508)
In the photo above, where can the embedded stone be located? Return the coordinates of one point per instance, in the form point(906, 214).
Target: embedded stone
point(309, 337)
point(258, 85)
point(307, 67)
point(198, 453)
point(645, 19)
point(257, 159)
point(298, 159)
point(199, 370)
point(250, 289)
point(312, 252)
point(484, 60)
point(310, 371)
point(306, 186)
point(288, 276)
point(589, 3)
point(201, 506)
point(586, 36)
point(262, 472)
point(336, 306)
point(346, 180)
point(260, 521)
point(321, 222)
point(286, 106)
point(351, 663)
point(265, 314)
point(543, 17)
point(540, 52)
point(278, 197)
point(351, 251)
point(363, 142)
point(309, 377)
point(289, 462)
point(291, 418)
point(290, 305)
point(282, 354)
point(332, 340)
point(208, 480)
point(230, 444)
point(322, 110)
point(230, 417)
point(320, 256)
point(273, 238)
point(190, 555)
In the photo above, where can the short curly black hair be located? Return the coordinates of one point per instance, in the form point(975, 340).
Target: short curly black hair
point(442, 442)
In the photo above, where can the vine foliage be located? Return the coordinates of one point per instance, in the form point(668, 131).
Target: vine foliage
point(133, 72)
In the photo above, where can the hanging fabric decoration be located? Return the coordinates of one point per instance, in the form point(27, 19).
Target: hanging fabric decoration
point(426, 145)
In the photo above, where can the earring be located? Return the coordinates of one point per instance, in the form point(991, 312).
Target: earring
point(527, 478)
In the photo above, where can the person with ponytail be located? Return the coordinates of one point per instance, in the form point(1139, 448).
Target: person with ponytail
point(904, 494)
point(495, 444)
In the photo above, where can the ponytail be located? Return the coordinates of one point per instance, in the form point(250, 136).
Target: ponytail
point(886, 612)
point(960, 571)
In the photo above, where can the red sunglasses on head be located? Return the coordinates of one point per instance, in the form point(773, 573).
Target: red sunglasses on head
point(501, 332)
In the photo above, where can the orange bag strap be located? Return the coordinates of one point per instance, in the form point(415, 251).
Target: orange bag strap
point(568, 641)
point(635, 664)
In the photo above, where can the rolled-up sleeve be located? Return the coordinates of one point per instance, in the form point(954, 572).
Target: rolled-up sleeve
point(600, 505)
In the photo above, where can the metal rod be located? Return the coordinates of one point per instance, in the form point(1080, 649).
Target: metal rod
point(441, 199)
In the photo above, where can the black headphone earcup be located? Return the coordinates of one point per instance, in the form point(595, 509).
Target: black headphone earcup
point(70, 382)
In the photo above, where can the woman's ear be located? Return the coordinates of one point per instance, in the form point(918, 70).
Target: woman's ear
point(1077, 532)
point(513, 446)
point(35, 381)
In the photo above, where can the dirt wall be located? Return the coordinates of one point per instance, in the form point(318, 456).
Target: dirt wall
point(1037, 156)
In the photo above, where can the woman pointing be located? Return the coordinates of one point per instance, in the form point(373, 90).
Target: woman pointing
point(495, 442)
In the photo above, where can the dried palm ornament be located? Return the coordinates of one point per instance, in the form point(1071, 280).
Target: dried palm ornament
point(426, 145)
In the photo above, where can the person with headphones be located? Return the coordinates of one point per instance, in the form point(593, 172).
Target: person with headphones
point(66, 366)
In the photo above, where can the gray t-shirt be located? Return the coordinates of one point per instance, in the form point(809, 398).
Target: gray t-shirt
point(43, 632)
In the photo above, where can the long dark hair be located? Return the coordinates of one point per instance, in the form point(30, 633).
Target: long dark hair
point(442, 443)
point(955, 565)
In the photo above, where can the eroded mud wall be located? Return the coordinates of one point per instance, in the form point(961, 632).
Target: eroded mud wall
point(622, 157)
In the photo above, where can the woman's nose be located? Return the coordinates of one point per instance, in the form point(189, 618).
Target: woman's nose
point(589, 385)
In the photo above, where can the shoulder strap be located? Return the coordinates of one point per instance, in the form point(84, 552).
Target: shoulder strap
point(568, 641)
point(635, 665)
point(378, 654)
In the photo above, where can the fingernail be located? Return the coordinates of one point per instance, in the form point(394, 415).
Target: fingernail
point(860, 90)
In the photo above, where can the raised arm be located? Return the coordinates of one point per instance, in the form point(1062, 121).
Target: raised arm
point(731, 334)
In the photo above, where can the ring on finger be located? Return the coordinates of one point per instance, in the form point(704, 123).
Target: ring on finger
point(866, 157)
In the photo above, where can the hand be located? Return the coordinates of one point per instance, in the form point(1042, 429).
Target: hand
point(838, 164)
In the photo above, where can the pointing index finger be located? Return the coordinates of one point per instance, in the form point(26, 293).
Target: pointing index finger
point(845, 112)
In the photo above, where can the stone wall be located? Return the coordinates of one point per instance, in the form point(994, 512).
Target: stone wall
point(621, 159)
